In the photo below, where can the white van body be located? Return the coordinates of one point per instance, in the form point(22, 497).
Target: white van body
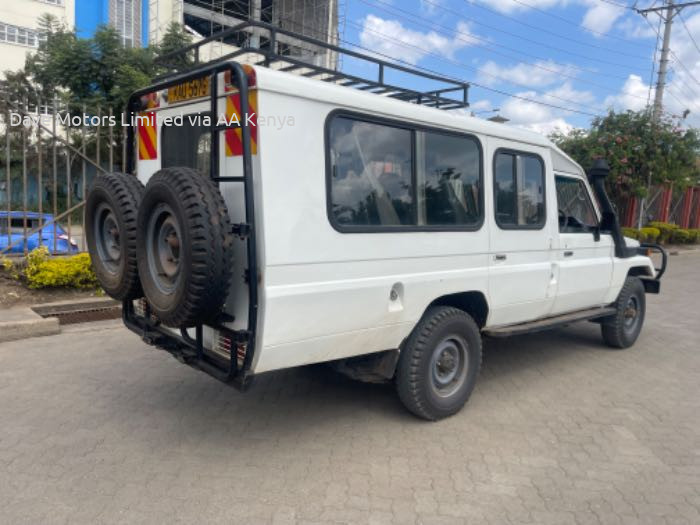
point(326, 295)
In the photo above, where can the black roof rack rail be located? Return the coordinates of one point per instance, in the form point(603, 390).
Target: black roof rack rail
point(275, 41)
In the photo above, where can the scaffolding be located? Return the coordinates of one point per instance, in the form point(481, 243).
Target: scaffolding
point(322, 20)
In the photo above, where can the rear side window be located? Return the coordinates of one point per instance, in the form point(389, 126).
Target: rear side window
point(371, 174)
point(390, 176)
point(449, 180)
point(519, 190)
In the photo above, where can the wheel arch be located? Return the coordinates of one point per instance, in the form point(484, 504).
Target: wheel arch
point(640, 271)
point(473, 302)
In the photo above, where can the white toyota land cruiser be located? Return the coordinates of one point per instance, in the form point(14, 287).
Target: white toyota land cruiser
point(299, 215)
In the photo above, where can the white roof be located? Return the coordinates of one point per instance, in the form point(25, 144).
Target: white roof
point(354, 99)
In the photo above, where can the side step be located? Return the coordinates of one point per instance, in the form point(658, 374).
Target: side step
point(549, 322)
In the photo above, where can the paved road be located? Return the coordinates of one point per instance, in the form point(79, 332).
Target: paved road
point(97, 427)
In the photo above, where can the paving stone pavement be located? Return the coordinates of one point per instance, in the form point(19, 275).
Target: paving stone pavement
point(96, 427)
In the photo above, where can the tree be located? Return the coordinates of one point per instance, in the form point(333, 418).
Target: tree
point(641, 153)
point(174, 39)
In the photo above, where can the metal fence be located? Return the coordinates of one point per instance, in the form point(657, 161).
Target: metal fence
point(47, 162)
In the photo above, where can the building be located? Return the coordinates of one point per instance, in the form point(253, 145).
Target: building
point(320, 19)
point(19, 31)
point(144, 22)
point(129, 17)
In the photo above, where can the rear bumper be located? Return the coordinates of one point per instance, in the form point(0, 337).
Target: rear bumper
point(185, 349)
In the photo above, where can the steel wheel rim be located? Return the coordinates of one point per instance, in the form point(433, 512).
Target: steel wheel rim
point(163, 239)
point(107, 238)
point(449, 364)
point(631, 313)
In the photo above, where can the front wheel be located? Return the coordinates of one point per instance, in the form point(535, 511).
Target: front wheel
point(622, 329)
point(439, 363)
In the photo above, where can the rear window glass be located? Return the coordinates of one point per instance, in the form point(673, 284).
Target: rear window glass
point(371, 170)
point(187, 145)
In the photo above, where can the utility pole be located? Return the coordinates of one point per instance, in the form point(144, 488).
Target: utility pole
point(663, 63)
point(671, 11)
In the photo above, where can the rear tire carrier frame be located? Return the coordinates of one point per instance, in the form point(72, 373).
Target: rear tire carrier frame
point(183, 347)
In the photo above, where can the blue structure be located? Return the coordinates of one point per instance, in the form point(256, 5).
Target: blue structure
point(89, 14)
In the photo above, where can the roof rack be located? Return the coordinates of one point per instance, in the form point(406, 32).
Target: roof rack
point(276, 45)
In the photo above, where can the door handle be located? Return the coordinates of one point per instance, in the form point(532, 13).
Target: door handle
point(568, 253)
point(500, 257)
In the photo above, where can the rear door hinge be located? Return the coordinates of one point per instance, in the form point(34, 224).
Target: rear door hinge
point(241, 230)
point(241, 336)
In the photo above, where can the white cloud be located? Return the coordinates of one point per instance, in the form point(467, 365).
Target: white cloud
point(539, 74)
point(430, 6)
point(633, 95)
point(391, 38)
point(634, 28)
point(510, 6)
point(682, 89)
point(544, 119)
point(600, 16)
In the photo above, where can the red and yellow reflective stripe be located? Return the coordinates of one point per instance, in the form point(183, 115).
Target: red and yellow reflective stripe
point(148, 137)
point(234, 142)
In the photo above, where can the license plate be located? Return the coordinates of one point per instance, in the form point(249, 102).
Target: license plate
point(197, 88)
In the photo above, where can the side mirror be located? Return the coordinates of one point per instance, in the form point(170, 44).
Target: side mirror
point(596, 233)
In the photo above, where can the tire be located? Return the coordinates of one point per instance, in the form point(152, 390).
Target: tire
point(428, 386)
point(184, 247)
point(111, 212)
point(622, 329)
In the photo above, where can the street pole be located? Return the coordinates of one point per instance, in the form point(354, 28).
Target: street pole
point(663, 64)
point(671, 10)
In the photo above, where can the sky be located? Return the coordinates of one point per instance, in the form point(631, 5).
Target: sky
point(544, 64)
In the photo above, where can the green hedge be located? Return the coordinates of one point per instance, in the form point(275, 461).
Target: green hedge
point(664, 233)
point(43, 271)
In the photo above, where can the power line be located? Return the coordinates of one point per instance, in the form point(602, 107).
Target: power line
point(624, 6)
point(476, 84)
point(485, 43)
point(677, 60)
point(468, 66)
point(392, 10)
point(653, 63)
point(547, 31)
point(692, 39)
point(576, 24)
point(532, 41)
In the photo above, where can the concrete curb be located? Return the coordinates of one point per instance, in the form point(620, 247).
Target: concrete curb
point(21, 323)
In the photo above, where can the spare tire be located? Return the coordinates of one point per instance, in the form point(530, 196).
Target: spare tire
point(184, 246)
point(110, 229)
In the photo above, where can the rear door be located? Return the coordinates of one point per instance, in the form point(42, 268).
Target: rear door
point(584, 263)
point(521, 280)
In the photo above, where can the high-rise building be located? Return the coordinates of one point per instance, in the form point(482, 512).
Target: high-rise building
point(129, 17)
point(19, 29)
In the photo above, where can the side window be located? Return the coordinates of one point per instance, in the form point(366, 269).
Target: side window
point(519, 190)
point(384, 175)
point(448, 180)
point(576, 212)
point(371, 174)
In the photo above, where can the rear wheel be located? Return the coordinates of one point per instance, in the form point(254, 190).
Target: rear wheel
point(184, 246)
point(622, 329)
point(110, 230)
point(439, 363)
